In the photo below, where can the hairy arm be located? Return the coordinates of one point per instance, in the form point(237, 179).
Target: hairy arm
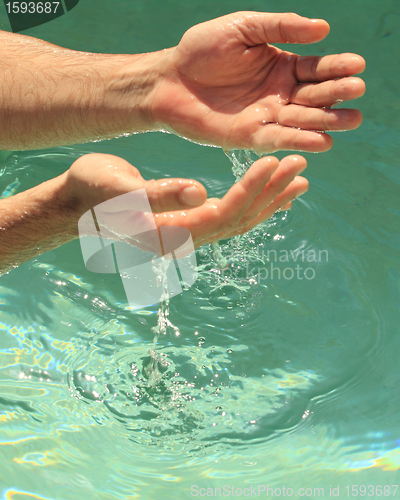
point(224, 84)
point(34, 222)
point(52, 96)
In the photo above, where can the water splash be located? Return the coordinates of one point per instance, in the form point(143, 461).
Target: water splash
point(164, 392)
point(160, 268)
point(219, 259)
point(232, 256)
point(237, 246)
point(242, 160)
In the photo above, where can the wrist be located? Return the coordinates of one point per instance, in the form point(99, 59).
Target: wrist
point(129, 84)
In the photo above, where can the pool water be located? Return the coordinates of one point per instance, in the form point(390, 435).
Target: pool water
point(282, 371)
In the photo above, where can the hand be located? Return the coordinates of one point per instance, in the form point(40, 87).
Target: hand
point(225, 85)
point(267, 186)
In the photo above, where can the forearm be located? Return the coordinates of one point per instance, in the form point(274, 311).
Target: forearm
point(51, 96)
point(34, 222)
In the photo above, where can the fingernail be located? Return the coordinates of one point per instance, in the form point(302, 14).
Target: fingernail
point(191, 196)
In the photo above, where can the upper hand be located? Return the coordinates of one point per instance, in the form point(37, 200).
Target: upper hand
point(225, 85)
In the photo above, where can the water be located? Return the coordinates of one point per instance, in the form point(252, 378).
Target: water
point(164, 325)
point(274, 379)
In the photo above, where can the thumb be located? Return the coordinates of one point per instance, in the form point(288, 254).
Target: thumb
point(259, 28)
point(174, 194)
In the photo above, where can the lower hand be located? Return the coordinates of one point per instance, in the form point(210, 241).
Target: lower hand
point(269, 185)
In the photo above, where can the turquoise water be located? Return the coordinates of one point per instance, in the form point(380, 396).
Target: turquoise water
point(282, 382)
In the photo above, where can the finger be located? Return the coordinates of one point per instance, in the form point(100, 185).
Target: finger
point(319, 69)
point(296, 188)
point(279, 187)
point(288, 206)
point(275, 137)
point(306, 118)
point(289, 168)
point(260, 28)
point(174, 194)
point(219, 216)
point(242, 194)
point(328, 93)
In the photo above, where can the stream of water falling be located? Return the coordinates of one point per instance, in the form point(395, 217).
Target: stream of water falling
point(160, 268)
point(241, 161)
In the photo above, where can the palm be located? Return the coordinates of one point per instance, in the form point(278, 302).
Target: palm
point(227, 86)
